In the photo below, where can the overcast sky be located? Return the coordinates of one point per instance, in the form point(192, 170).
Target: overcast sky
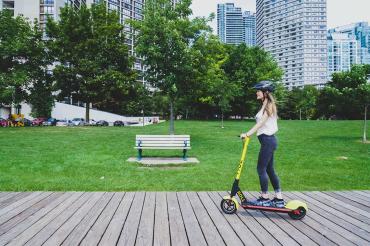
point(340, 12)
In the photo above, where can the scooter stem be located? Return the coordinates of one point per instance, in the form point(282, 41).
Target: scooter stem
point(244, 153)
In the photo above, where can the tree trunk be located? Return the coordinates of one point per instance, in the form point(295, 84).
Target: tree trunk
point(364, 139)
point(87, 114)
point(222, 119)
point(172, 123)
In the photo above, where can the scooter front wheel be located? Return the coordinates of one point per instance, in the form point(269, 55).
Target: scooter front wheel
point(228, 206)
point(298, 213)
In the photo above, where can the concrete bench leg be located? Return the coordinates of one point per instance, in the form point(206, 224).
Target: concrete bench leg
point(140, 154)
point(184, 155)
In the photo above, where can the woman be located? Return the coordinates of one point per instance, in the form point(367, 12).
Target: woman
point(266, 127)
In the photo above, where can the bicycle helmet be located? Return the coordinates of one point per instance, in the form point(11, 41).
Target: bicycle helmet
point(264, 86)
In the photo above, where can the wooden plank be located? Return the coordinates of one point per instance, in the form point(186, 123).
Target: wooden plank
point(4, 193)
point(281, 221)
point(62, 233)
point(223, 227)
point(129, 231)
point(26, 235)
point(161, 224)
point(146, 226)
point(193, 230)
point(243, 232)
point(163, 145)
point(335, 212)
point(208, 228)
point(261, 234)
point(7, 196)
point(18, 229)
point(79, 232)
point(97, 230)
point(16, 201)
point(365, 200)
point(324, 227)
point(28, 213)
point(51, 226)
point(162, 148)
point(114, 228)
point(350, 199)
point(329, 203)
point(362, 193)
point(338, 220)
point(163, 136)
point(364, 214)
point(14, 212)
point(163, 140)
point(177, 227)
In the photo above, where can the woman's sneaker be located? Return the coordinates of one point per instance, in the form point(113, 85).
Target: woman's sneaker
point(278, 203)
point(265, 202)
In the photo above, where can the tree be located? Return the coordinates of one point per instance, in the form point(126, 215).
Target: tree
point(40, 80)
point(164, 38)
point(245, 67)
point(340, 97)
point(363, 92)
point(14, 39)
point(93, 61)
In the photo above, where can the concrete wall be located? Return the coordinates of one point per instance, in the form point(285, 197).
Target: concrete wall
point(67, 111)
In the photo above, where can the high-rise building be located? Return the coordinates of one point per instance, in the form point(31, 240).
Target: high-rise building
point(249, 28)
point(343, 52)
point(361, 32)
point(295, 33)
point(234, 26)
point(230, 23)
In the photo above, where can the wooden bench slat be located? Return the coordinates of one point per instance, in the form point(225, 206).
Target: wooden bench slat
point(163, 145)
point(162, 148)
point(164, 142)
point(166, 136)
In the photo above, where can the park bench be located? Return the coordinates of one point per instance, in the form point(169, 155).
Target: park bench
point(162, 142)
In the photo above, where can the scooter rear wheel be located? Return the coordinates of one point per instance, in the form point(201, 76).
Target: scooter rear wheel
point(298, 213)
point(228, 206)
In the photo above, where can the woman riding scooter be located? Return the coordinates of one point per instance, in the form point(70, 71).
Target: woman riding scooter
point(266, 127)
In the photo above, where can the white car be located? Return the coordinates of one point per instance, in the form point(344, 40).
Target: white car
point(78, 122)
point(64, 123)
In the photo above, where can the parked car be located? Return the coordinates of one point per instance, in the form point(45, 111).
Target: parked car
point(102, 123)
point(38, 121)
point(4, 122)
point(79, 122)
point(50, 122)
point(92, 123)
point(27, 122)
point(64, 123)
point(118, 123)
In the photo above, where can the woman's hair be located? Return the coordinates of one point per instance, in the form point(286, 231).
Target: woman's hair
point(270, 109)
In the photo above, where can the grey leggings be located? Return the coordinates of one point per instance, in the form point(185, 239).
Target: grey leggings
point(265, 166)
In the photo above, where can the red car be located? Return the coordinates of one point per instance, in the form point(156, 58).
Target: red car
point(3, 122)
point(38, 121)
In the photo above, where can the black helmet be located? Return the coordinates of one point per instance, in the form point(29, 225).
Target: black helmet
point(265, 85)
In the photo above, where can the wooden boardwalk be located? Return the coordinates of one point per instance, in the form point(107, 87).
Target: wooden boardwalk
point(182, 218)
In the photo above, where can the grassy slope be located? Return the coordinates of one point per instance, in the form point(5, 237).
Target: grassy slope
point(78, 158)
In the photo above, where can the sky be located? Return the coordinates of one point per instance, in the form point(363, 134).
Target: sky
point(340, 12)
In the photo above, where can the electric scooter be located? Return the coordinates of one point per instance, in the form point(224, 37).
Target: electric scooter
point(229, 204)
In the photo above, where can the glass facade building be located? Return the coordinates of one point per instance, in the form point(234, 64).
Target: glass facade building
point(343, 52)
point(361, 33)
point(295, 33)
point(234, 26)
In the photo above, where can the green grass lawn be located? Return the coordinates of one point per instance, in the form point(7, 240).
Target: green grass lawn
point(78, 158)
